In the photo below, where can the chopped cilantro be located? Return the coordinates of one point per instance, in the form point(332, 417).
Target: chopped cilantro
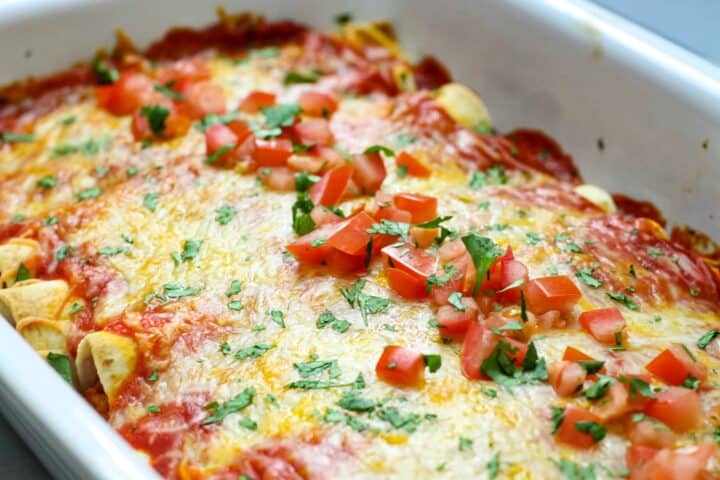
point(433, 362)
point(278, 317)
point(558, 416)
point(292, 78)
point(483, 252)
point(316, 367)
point(174, 291)
point(455, 299)
point(235, 305)
point(191, 249)
point(500, 367)
point(53, 220)
point(594, 429)
point(315, 385)
point(248, 423)
point(380, 149)
point(434, 223)
point(638, 386)
point(301, 220)
point(390, 227)
point(236, 404)
point(217, 154)
point(17, 137)
point(88, 148)
point(253, 351)
point(89, 193)
point(156, 116)
point(510, 326)
point(169, 92)
point(493, 466)
point(150, 201)
point(533, 238)
point(573, 471)
point(303, 181)
point(592, 366)
point(224, 214)
point(464, 444)
point(152, 409)
point(48, 181)
point(707, 337)
point(211, 119)
point(585, 275)
point(282, 115)
point(61, 364)
point(355, 403)
point(435, 281)
point(599, 388)
point(152, 377)
point(111, 251)
point(22, 273)
point(104, 72)
point(624, 299)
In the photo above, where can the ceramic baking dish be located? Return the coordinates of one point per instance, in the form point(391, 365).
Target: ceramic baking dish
point(570, 68)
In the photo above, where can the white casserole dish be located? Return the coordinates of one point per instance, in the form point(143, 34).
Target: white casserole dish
point(564, 66)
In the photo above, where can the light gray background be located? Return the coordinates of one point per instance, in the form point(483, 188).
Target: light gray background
point(690, 23)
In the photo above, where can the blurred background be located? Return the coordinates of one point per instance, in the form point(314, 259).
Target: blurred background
point(691, 24)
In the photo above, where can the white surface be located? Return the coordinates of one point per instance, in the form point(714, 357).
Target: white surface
point(564, 66)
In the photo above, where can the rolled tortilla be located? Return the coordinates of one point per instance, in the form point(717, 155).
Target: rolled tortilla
point(43, 334)
point(33, 298)
point(12, 254)
point(107, 357)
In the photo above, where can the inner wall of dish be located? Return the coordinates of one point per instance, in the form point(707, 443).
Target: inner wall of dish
point(534, 67)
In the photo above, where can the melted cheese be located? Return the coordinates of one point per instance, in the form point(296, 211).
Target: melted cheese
point(182, 339)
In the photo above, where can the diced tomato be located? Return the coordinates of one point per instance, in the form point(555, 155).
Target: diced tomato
point(614, 404)
point(188, 70)
point(502, 274)
point(606, 325)
point(341, 263)
point(566, 378)
point(305, 163)
point(257, 100)
point(393, 214)
point(414, 261)
point(273, 152)
point(453, 322)
point(637, 455)
point(677, 407)
point(316, 104)
point(687, 463)
point(424, 237)
point(405, 284)
point(218, 136)
point(451, 250)
point(351, 236)
point(401, 367)
point(240, 129)
point(280, 179)
point(323, 216)
point(568, 433)
point(304, 250)
point(330, 188)
point(331, 157)
point(574, 355)
point(369, 172)
point(673, 366)
point(414, 166)
point(422, 207)
point(479, 343)
point(202, 98)
point(129, 93)
point(313, 132)
point(650, 433)
point(550, 293)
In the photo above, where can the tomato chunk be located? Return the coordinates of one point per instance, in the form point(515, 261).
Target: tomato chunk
point(650, 433)
point(202, 98)
point(550, 293)
point(401, 367)
point(606, 325)
point(572, 354)
point(422, 207)
point(220, 136)
point(678, 408)
point(351, 236)
point(310, 248)
point(273, 152)
point(257, 100)
point(414, 261)
point(331, 187)
point(313, 132)
point(568, 431)
point(687, 463)
point(369, 172)
point(453, 322)
point(131, 91)
point(316, 104)
point(674, 365)
point(405, 284)
point(414, 166)
point(566, 378)
point(504, 273)
point(479, 344)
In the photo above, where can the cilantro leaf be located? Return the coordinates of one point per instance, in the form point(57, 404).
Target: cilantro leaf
point(624, 299)
point(61, 364)
point(483, 251)
point(234, 405)
point(380, 149)
point(253, 351)
point(585, 275)
point(707, 338)
point(224, 214)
